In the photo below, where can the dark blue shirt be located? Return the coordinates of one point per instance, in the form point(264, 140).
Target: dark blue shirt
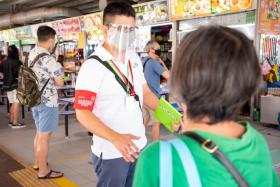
point(152, 72)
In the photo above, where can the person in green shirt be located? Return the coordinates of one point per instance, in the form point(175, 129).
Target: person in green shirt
point(216, 70)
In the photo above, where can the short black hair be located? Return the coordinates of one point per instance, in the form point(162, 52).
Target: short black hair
point(216, 70)
point(118, 8)
point(45, 32)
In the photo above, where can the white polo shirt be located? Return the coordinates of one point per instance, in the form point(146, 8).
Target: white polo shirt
point(98, 91)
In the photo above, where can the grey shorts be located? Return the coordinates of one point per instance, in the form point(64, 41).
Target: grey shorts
point(46, 118)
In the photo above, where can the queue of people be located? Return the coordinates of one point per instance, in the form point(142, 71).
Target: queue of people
point(114, 88)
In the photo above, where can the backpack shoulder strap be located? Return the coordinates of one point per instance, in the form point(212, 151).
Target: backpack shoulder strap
point(188, 162)
point(166, 171)
point(37, 58)
point(144, 64)
point(209, 146)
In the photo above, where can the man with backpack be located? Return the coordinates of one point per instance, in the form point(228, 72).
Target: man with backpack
point(49, 74)
point(153, 68)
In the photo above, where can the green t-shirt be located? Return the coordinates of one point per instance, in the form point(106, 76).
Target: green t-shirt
point(250, 155)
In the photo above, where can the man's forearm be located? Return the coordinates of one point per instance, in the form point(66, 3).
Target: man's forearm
point(95, 125)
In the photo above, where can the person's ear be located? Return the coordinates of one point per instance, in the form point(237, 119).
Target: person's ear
point(104, 31)
point(183, 106)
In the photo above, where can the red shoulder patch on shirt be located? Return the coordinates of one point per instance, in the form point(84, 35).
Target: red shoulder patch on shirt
point(84, 100)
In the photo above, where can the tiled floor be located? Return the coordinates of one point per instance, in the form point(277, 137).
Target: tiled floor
point(72, 156)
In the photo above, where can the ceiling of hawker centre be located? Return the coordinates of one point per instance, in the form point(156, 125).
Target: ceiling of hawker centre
point(84, 6)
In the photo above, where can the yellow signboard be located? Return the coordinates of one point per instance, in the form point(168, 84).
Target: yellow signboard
point(182, 9)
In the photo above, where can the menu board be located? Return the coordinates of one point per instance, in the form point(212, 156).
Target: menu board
point(220, 6)
point(181, 9)
point(91, 24)
point(8, 35)
point(190, 8)
point(67, 25)
point(237, 5)
point(269, 17)
point(24, 32)
point(151, 13)
point(201, 8)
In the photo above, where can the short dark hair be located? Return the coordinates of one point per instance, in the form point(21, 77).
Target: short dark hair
point(216, 70)
point(44, 33)
point(118, 8)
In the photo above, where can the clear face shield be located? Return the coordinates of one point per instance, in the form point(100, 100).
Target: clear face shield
point(121, 38)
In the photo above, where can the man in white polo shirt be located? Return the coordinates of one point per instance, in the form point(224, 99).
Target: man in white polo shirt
point(110, 92)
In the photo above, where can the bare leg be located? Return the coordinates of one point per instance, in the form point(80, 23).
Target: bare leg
point(35, 148)
point(12, 113)
point(15, 113)
point(42, 150)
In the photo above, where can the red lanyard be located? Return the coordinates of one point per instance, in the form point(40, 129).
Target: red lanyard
point(126, 79)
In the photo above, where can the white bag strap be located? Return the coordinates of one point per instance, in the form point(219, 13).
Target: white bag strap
point(166, 171)
point(189, 165)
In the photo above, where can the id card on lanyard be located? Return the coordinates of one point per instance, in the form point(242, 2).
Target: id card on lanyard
point(130, 101)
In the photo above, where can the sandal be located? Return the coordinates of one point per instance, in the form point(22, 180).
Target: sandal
point(36, 168)
point(49, 175)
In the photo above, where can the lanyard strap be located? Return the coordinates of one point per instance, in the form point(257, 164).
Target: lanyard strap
point(129, 89)
point(132, 79)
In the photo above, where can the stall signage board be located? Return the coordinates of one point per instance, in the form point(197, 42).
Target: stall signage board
point(218, 6)
point(8, 35)
point(67, 25)
point(91, 24)
point(23, 32)
point(151, 13)
point(250, 17)
point(179, 9)
point(28, 41)
point(182, 9)
point(269, 17)
point(226, 20)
